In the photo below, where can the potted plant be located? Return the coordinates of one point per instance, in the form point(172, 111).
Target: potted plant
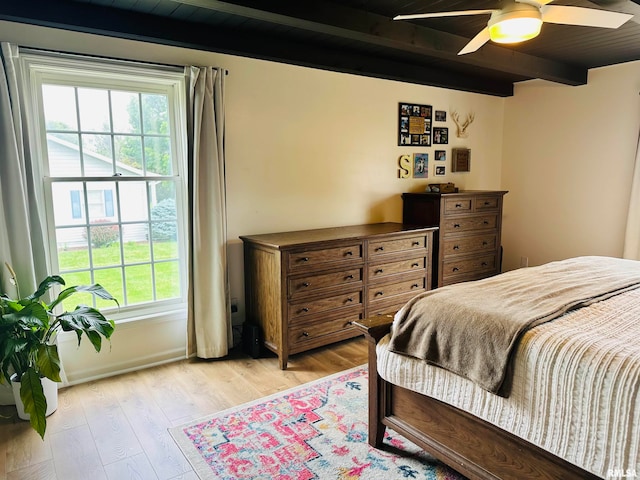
point(28, 327)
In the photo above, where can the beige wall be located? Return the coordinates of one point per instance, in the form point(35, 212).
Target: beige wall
point(567, 161)
point(305, 149)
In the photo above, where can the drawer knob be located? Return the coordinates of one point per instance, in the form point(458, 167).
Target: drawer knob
point(487, 203)
point(456, 225)
point(484, 264)
point(415, 244)
point(379, 270)
point(349, 277)
point(484, 244)
point(305, 334)
point(458, 205)
point(349, 300)
point(456, 247)
point(379, 293)
point(304, 309)
point(304, 259)
point(415, 265)
point(380, 249)
point(306, 284)
point(455, 269)
point(348, 324)
point(349, 253)
point(415, 285)
point(486, 222)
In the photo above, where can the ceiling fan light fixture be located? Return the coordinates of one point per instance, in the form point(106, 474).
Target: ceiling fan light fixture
point(517, 24)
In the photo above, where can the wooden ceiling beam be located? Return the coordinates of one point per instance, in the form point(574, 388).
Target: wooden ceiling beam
point(357, 25)
point(98, 19)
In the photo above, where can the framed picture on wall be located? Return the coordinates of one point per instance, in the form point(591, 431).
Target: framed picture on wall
point(440, 170)
point(460, 160)
point(420, 165)
point(441, 116)
point(414, 124)
point(440, 135)
point(440, 155)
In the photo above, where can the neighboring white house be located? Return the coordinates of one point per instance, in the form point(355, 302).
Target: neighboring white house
point(102, 202)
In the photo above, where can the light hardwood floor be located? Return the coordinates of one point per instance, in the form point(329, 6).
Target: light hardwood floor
point(116, 428)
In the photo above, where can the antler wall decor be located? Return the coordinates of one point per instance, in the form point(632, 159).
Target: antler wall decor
point(461, 131)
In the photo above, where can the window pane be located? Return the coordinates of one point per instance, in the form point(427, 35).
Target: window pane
point(133, 195)
point(164, 249)
point(135, 251)
point(102, 202)
point(167, 280)
point(97, 155)
point(93, 104)
point(139, 284)
point(159, 192)
point(128, 154)
point(59, 107)
point(125, 108)
point(157, 155)
point(73, 250)
point(111, 279)
point(68, 203)
point(155, 116)
point(63, 155)
point(105, 243)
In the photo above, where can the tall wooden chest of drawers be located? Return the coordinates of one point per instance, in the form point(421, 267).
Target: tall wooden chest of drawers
point(306, 288)
point(467, 244)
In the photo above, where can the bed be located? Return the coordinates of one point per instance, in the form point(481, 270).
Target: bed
point(565, 406)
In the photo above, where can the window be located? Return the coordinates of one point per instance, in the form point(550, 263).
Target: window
point(112, 149)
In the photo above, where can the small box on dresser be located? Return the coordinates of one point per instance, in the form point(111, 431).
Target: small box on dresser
point(304, 289)
point(467, 244)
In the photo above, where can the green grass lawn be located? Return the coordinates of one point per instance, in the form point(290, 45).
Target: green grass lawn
point(139, 280)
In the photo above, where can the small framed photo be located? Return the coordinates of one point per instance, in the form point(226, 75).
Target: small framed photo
point(440, 155)
point(440, 116)
point(440, 170)
point(440, 135)
point(420, 165)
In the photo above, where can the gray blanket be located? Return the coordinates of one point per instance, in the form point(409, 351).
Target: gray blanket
point(472, 328)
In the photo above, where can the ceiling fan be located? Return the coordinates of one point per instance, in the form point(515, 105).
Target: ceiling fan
point(521, 20)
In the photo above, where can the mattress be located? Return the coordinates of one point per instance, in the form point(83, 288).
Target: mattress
point(575, 388)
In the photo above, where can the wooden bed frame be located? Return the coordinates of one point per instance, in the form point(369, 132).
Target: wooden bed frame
point(469, 445)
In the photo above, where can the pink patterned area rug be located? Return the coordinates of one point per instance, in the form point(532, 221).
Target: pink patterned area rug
point(315, 431)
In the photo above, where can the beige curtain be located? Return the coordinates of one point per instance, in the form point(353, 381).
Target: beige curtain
point(632, 235)
point(209, 321)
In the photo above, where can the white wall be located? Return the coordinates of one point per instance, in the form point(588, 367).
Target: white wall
point(568, 161)
point(305, 149)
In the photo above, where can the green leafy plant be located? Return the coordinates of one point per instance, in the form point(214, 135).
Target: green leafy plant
point(28, 327)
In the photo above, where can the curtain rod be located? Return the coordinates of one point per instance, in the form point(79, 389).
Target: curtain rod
point(54, 53)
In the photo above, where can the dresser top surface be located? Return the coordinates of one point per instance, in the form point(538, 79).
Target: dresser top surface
point(356, 232)
point(459, 193)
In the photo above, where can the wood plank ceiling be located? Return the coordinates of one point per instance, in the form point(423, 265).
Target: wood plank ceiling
point(354, 36)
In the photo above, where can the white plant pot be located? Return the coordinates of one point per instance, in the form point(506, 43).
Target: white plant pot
point(50, 389)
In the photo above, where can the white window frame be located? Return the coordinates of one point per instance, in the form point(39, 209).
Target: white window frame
point(39, 68)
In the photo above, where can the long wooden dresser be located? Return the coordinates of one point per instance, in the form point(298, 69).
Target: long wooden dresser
point(467, 244)
point(304, 289)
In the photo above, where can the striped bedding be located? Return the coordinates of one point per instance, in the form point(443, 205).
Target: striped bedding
point(575, 392)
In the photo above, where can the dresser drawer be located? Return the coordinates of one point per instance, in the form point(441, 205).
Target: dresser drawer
point(458, 205)
point(304, 335)
point(310, 258)
point(391, 306)
point(468, 245)
point(302, 285)
point(383, 270)
point(385, 291)
point(384, 247)
point(469, 224)
point(481, 264)
point(312, 307)
point(484, 204)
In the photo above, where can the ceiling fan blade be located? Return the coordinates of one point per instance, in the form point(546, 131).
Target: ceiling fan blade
point(588, 17)
point(476, 42)
point(535, 3)
point(442, 14)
